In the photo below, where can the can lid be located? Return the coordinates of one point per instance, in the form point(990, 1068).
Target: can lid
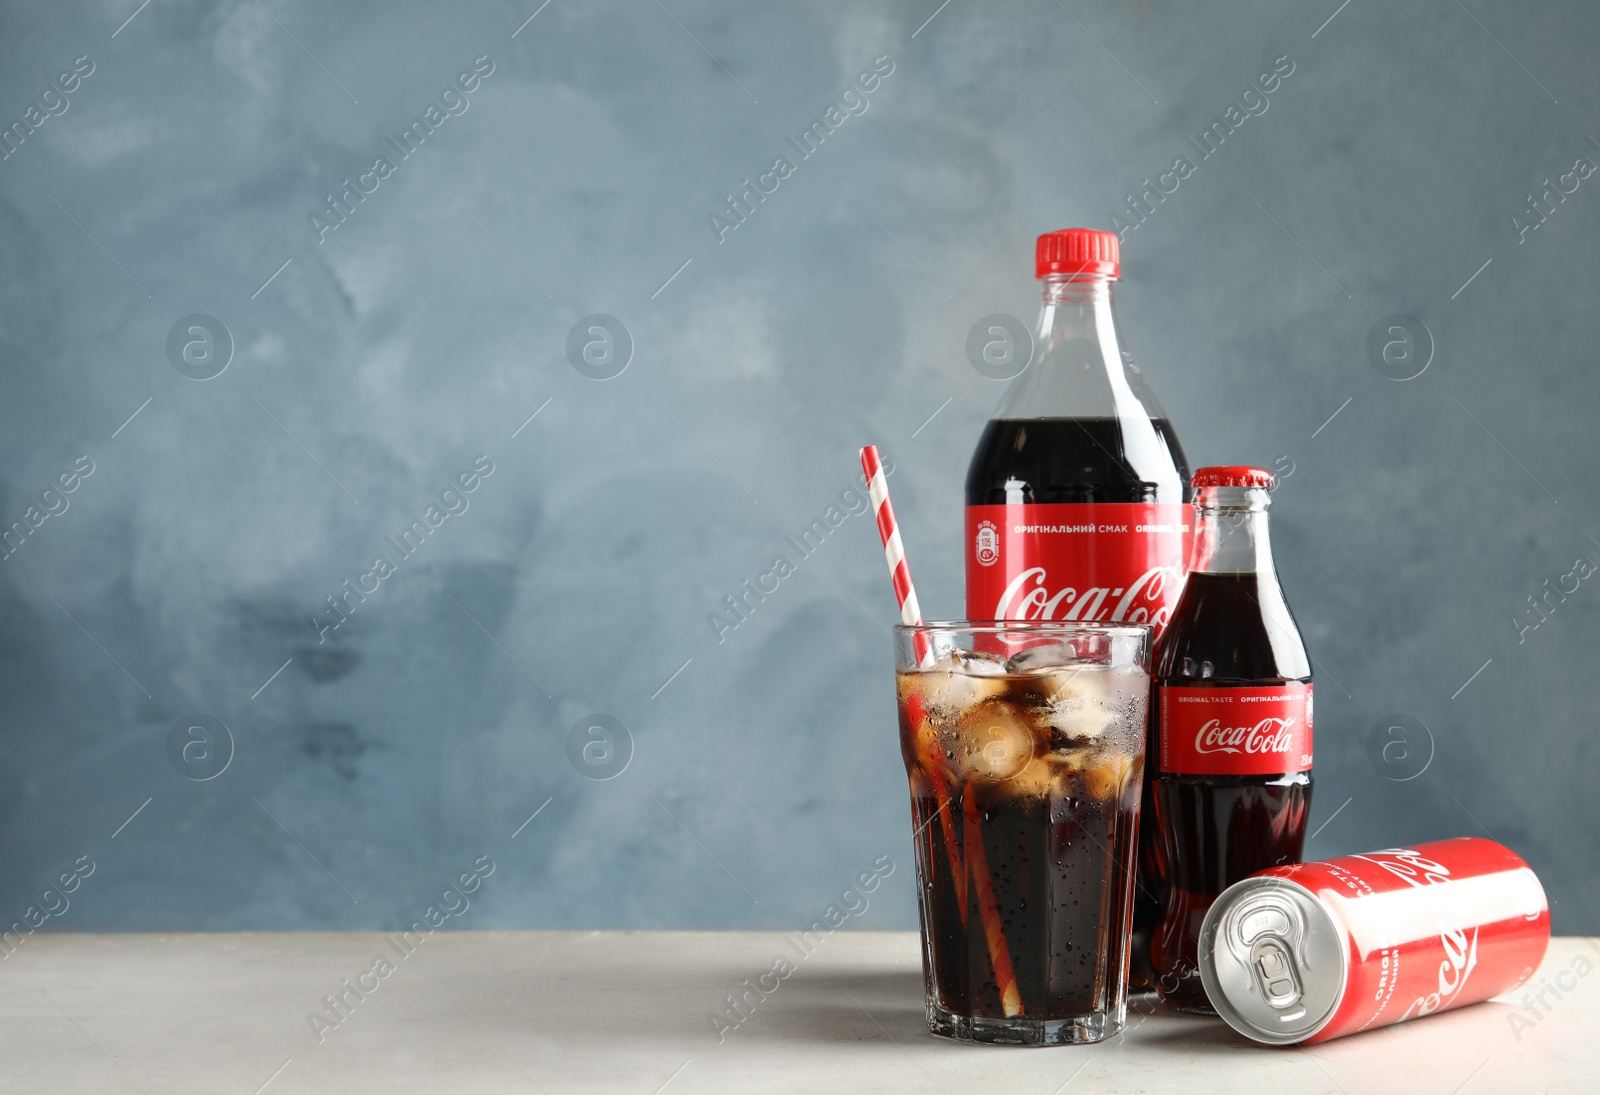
point(1086, 251)
point(1234, 475)
point(1273, 960)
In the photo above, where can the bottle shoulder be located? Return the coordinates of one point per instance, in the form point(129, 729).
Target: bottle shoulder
point(1077, 459)
point(1231, 630)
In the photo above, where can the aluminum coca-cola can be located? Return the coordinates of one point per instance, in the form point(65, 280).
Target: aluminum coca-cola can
point(1314, 951)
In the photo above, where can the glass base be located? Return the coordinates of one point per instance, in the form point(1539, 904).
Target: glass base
point(1084, 1030)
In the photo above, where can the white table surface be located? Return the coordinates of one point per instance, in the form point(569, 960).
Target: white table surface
point(630, 1013)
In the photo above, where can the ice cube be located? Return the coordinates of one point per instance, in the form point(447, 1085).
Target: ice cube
point(1043, 656)
point(977, 663)
point(1037, 779)
point(956, 681)
point(1079, 710)
point(995, 740)
point(1079, 682)
point(1114, 777)
point(1077, 722)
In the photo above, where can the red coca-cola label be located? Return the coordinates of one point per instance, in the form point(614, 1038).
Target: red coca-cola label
point(1235, 731)
point(1119, 561)
point(1430, 928)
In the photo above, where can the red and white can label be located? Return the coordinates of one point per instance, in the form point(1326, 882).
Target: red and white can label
point(1106, 561)
point(1235, 731)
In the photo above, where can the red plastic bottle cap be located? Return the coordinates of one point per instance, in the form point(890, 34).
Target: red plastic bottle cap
point(1234, 475)
point(1078, 251)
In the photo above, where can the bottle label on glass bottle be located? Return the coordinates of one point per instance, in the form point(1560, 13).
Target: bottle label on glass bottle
point(1107, 561)
point(1235, 731)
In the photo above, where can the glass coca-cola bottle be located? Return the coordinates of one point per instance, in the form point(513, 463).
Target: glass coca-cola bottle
point(1075, 495)
point(1229, 761)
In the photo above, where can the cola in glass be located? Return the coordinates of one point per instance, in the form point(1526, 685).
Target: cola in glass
point(1024, 748)
point(1230, 752)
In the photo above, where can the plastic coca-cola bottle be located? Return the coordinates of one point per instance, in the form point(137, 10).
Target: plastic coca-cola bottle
point(1075, 495)
point(1229, 760)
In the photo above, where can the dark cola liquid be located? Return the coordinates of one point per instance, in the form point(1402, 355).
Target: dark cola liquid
point(1074, 460)
point(1058, 887)
point(1214, 830)
point(1032, 843)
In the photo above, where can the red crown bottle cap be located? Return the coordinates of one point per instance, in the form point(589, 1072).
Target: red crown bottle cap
point(1077, 251)
point(1234, 475)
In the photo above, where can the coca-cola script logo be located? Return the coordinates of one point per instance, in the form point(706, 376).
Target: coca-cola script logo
point(1260, 730)
point(988, 545)
point(1270, 735)
point(1460, 949)
point(1139, 603)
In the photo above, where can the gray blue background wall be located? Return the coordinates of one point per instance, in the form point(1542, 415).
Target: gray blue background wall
point(373, 763)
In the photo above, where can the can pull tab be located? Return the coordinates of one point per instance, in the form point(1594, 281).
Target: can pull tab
point(1274, 968)
point(1269, 931)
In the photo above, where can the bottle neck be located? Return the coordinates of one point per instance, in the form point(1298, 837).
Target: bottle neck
point(1077, 288)
point(1079, 308)
point(1231, 534)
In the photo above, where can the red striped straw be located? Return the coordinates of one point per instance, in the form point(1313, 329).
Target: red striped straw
point(895, 553)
